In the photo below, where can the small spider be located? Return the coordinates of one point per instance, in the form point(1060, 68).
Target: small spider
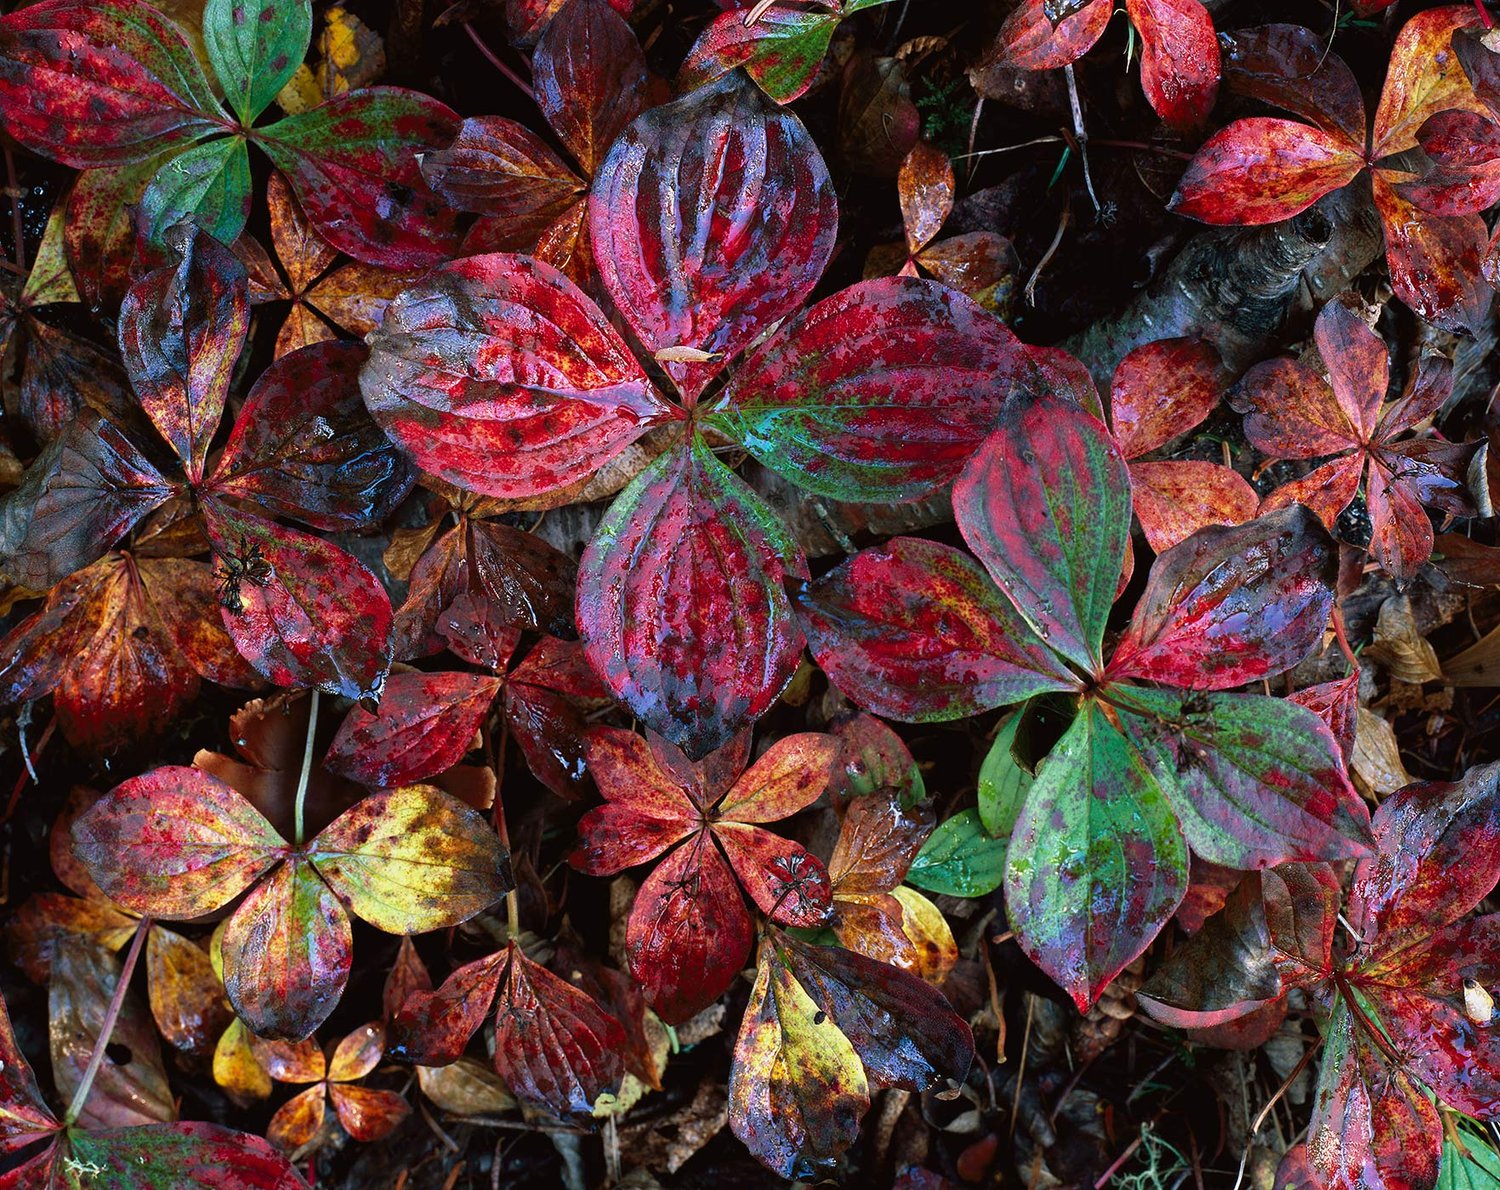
point(247, 564)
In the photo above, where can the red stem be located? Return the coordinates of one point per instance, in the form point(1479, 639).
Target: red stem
point(493, 59)
point(111, 1015)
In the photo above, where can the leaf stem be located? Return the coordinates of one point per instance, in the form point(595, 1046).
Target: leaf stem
point(494, 60)
point(107, 1026)
point(306, 773)
point(512, 898)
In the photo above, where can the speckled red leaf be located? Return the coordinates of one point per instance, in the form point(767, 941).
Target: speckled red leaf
point(903, 1029)
point(528, 583)
point(1179, 58)
point(425, 724)
point(287, 951)
point(1290, 67)
point(431, 1028)
point(555, 1047)
point(1434, 260)
point(880, 392)
point(318, 619)
point(353, 164)
point(1335, 703)
point(24, 1114)
point(1045, 505)
point(681, 606)
point(1047, 35)
point(411, 860)
point(368, 1113)
point(101, 84)
point(1371, 1126)
point(711, 218)
point(131, 1090)
point(1163, 389)
point(61, 372)
point(589, 75)
point(1230, 605)
point(188, 1153)
point(689, 933)
point(99, 232)
point(181, 330)
point(917, 631)
point(782, 51)
point(1425, 76)
point(508, 174)
point(303, 445)
point(542, 705)
point(1176, 498)
point(1465, 147)
point(786, 880)
point(648, 806)
point(502, 356)
point(1264, 169)
point(174, 843)
point(78, 497)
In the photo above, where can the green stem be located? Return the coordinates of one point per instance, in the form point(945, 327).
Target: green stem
point(107, 1027)
point(303, 777)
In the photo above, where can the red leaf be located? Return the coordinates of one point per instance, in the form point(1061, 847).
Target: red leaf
point(1262, 170)
point(287, 952)
point(425, 725)
point(181, 330)
point(1045, 505)
point(647, 807)
point(432, 1027)
point(1161, 390)
point(1179, 58)
point(1230, 605)
point(368, 1114)
point(504, 171)
point(456, 384)
point(711, 218)
point(318, 619)
point(1434, 260)
point(1042, 35)
point(1466, 178)
point(1425, 76)
point(544, 718)
point(101, 83)
point(304, 447)
point(1335, 703)
point(175, 843)
point(689, 934)
point(25, 1116)
point(917, 631)
point(681, 607)
point(589, 75)
point(555, 1047)
point(1290, 67)
point(880, 392)
point(1174, 499)
point(787, 881)
point(99, 229)
point(352, 163)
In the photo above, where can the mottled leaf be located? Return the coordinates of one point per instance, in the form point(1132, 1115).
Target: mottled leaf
point(255, 48)
point(1264, 169)
point(960, 859)
point(589, 75)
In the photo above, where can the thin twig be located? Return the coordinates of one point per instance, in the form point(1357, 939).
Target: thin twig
point(1083, 138)
point(1036, 273)
point(306, 773)
point(493, 59)
point(107, 1026)
point(17, 223)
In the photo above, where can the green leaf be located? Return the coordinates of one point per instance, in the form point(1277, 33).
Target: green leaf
point(1003, 782)
point(255, 47)
point(853, 6)
point(210, 183)
point(1255, 781)
point(959, 858)
point(1479, 1170)
point(1097, 863)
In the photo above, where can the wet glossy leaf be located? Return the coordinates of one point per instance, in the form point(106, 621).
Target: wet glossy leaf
point(505, 172)
point(681, 606)
point(181, 330)
point(33, 931)
point(411, 860)
point(1264, 169)
point(1254, 781)
point(24, 1114)
point(182, 1154)
point(298, 1120)
point(877, 844)
point(1039, 35)
point(352, 162)
point(1003, 782)
point(304, 447)
point(368, 1113)
point(425, 725)
point(455, 385)
point(782, 51)
point(917, 631)
point(797, 1090)
point(1425, 77)
point(1179, 58)
point(208, 184)
point(433, 1027)
point(78, 497)
point(1163, 389)
point(881, 392)
point(554, 1046)
point(1434, 260)
point(1097, 863)
point(1290, 67)
point(590, 77)
point(175, 843)
point(287, 952)
point(131, 1087)
point(721, 156)
point(236, 1068)
point(960, 859)
point(1045, 505)
point(1230, 605)
point(100, 84)
point(186, 997)
point(255, 48)
point(1474, 1167)
point(319, 619)
point(468, 1087)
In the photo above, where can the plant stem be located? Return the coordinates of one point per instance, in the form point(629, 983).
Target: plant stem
point(107, 1027)
point(306, 774)
point(494, 60)
point(512, 898)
